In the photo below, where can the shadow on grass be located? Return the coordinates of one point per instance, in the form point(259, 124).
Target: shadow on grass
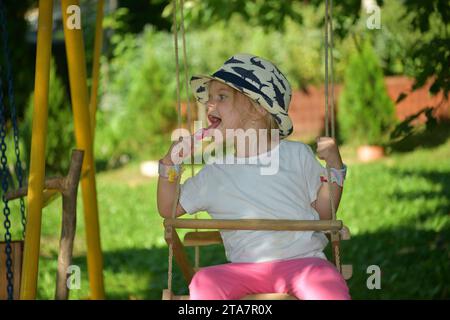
point(429, 136)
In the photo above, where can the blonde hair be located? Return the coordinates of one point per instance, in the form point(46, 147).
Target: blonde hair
point(267, 120)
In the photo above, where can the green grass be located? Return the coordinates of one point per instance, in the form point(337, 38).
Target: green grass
point(397, 209)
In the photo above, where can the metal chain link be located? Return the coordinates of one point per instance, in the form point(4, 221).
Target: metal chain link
point(4, 183)
point(13, 110)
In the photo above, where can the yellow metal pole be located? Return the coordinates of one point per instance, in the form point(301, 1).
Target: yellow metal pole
point(37, 161)
point(80, 104)
point(96, 64)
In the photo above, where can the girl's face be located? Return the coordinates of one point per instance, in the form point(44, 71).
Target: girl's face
point(226, 107)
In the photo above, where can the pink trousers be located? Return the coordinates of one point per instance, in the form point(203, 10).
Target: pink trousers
point(305, 278)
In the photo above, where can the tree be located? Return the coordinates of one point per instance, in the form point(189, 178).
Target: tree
point(366, 113)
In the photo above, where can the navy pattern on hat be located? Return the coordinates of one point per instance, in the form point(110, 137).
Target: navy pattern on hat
point(257, 78)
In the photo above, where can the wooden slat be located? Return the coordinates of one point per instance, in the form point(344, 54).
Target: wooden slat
point(17, 266)
point(50, 196)
point(167, 295)
point(269, 296)
point(16, 257)
point(179, 253)
point(347, 271)
point(255, 224)
point(3, 279)
point(345, 233)
point(51, 191)
point(203, 238)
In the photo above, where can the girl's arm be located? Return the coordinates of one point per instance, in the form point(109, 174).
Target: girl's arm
point(327, 150)
point(322, 203)
point(167, 192)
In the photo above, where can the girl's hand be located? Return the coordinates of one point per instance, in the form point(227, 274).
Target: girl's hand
point(179, 150)
point(185, 146)
point(327, 150)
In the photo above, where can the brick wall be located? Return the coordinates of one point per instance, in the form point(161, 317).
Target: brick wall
point(307, 109)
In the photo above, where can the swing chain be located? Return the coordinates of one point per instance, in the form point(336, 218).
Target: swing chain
point(6, 210)
point(13, 110)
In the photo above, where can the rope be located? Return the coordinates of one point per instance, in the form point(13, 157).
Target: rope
point(327, 132)
point(186, 83)
point(327, 100)
point(333, 122)
point(186, 72)
point(179, 121)
point(174, 205)
point(329, 48)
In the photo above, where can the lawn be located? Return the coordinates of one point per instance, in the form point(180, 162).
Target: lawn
point(398, 211)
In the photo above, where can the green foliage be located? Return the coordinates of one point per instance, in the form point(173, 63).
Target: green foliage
point(366, 113)
point(141, 13)
point(414, 41)
point(271, 14)
point(60, 130)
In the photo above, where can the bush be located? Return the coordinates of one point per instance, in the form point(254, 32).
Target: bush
point(60, 130)
point(366, 113)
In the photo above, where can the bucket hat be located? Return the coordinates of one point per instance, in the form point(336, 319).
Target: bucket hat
point(257, 78)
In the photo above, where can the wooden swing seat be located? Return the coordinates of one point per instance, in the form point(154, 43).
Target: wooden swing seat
point(262, 296)
point(334, 229)
point(207, 238)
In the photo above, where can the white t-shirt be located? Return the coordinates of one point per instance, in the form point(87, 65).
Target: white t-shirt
point(240, 191)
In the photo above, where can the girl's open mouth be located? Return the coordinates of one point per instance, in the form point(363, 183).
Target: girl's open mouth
point(214, 121)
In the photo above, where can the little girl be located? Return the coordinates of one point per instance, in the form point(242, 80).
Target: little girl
point(250, 93)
